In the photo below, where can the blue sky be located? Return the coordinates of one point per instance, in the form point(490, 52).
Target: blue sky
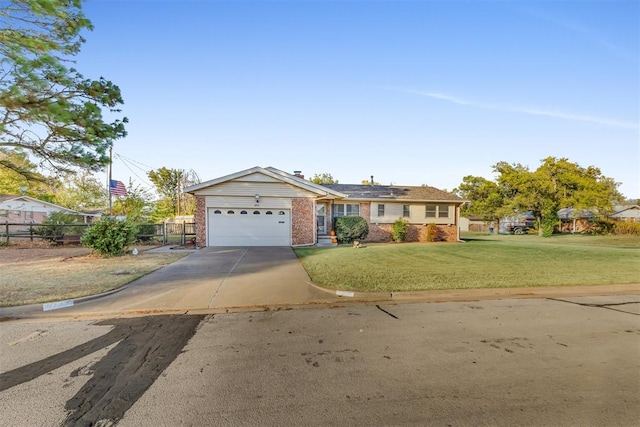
point(412, 92)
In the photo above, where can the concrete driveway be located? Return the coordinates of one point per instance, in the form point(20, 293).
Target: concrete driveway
point(211, 280)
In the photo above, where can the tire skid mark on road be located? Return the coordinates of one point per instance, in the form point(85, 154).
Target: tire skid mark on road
point(145, 347)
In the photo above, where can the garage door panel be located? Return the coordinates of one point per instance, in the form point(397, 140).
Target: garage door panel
point(229, 227)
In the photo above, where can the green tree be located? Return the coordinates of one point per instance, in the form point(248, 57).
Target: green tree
point(80, 192)
point(136, 206)
point(323, 178)
point(169, 185)
point(555, 184)
point(31, 182)
point(485, 199)
point(48, 109)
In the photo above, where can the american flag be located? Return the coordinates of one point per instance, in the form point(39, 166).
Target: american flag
point(117, 188)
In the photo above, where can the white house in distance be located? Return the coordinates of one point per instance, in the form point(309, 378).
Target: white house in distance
point(25, 209)
point(626, 213)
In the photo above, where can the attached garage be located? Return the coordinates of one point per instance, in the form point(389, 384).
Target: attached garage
point(258, 207)
point(249, 227)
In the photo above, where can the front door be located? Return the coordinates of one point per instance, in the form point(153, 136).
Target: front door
point(321, 215)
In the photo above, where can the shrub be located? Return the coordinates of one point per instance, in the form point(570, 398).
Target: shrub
point(400, 230)
point(621, 227)
point(601, 226)
point(350, 228)
point(59, 223)
point(110, 236)
point(432, 233)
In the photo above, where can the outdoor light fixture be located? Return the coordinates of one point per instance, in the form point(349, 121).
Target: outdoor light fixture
point(257, 198)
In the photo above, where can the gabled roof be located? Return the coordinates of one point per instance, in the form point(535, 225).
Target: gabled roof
point(626, 211)
point(621, 208)
point(395, 192)
point(270, 172)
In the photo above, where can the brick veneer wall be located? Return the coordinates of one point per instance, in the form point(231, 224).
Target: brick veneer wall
point(201, 222)
point(302, 221)
point(416, 232)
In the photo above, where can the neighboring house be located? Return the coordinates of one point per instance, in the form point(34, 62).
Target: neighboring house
point(26, 209)
point(269, 207)
point(575, 221)
point(475, 223)
point(626, 213)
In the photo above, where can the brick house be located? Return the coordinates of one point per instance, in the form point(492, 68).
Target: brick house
point(270, 207)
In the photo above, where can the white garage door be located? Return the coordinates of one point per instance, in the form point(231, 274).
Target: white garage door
point(249, 227)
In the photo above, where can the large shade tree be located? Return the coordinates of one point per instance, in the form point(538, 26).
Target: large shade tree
point(554, 185)
point(49, 110)
point(485, 197)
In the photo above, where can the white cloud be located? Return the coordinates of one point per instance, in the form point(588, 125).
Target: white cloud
point(527, 110)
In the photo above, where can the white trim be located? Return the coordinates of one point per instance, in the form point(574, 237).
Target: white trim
point(271, 172)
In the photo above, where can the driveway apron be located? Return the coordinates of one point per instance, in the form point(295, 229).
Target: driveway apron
point(215, 279)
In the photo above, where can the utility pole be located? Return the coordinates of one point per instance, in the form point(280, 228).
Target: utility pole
point(109, 180)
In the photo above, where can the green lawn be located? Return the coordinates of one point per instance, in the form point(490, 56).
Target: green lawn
point(481, 262)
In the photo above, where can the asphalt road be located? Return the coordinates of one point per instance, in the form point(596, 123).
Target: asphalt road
point(509, 362)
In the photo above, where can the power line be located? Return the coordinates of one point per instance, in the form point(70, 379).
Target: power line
point(126, 164)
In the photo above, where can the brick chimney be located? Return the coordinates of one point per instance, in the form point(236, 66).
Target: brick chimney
point(298, 174)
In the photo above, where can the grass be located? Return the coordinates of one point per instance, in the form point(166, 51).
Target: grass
point(482, 262)
point(38, 279)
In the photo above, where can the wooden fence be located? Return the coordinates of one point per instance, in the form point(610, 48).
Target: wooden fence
point(176, 233)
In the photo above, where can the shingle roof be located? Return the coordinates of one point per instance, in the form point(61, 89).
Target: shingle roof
point(394, 192)
point(4, 197)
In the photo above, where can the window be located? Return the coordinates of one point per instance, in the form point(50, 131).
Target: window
point(217, 212)
point(437, 211)
point(281, 213)
point(406, 212)
point(380, 210)
point(243, 212)
point(4, 212)
point(16, 214)
point(230, 212)
point(29, 214)
point(346, 209)
point(269, 213)
point(256, 212)
point(430, 211)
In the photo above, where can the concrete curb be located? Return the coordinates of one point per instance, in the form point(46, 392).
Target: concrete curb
point(485, 293)
point(343, 299)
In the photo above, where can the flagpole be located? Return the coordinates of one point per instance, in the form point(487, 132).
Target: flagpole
point(109, 180)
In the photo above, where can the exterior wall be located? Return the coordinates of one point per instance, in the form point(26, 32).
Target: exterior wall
point(417, 232)
point(251, 188)
point(578, 225)
point(25, 217)
point(247, 202)
point(628, 215)
point(201, 221)
point(303, 225)
point(395, 210)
